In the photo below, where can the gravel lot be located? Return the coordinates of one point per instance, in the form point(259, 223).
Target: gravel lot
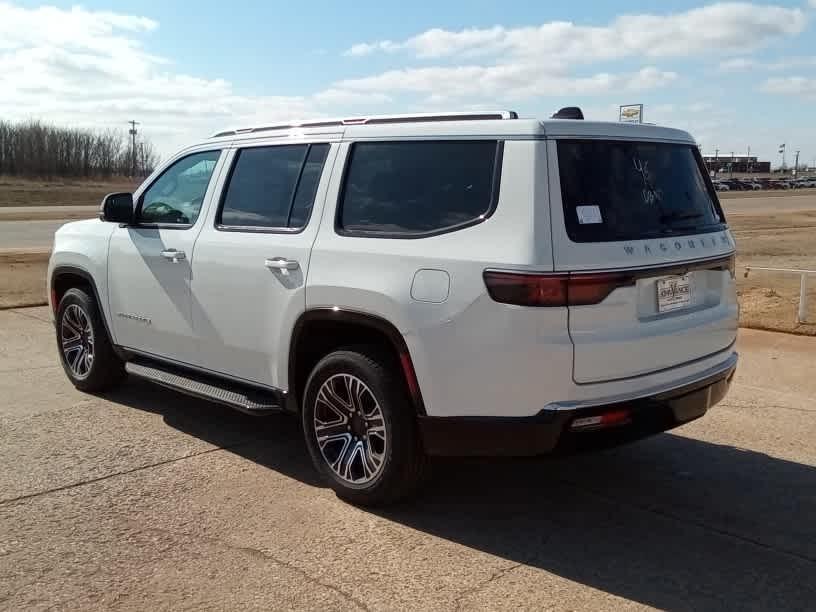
point(149, 500)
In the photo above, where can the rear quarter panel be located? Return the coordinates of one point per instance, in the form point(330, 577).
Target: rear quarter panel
point(472, 356)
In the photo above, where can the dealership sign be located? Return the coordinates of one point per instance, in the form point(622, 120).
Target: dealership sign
point(631, 113)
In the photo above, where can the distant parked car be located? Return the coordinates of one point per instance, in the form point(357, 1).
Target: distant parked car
point(720, 186)
point(735, 185)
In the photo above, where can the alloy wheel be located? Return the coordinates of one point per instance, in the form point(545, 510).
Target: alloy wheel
point(77, 340)
point(350, 429)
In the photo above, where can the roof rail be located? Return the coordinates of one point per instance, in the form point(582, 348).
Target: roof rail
point(375, 119)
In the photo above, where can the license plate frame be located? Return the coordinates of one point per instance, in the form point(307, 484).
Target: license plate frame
point(673, 293)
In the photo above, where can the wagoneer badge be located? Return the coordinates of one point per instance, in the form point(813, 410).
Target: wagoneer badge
point(678, 244)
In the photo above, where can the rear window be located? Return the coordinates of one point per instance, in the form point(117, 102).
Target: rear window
point(621, 190)
point(418, 188)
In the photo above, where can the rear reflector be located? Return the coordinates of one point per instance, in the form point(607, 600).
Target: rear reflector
point(607, 419)
point(553, 289)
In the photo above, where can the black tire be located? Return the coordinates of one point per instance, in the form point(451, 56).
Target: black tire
point(403, 465)
point(105, 369)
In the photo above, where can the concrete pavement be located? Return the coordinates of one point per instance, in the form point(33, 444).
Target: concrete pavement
point(145, 499)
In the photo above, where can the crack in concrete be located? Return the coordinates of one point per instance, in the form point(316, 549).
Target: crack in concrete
point(267, 556)
point(29, 316)
point(81, 483)
point(497, 575)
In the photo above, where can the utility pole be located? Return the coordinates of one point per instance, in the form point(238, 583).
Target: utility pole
point(796, 164)
point(133, 133)
point(782, 151)
point(732, 163)
point(716, 162)
point(750, 164)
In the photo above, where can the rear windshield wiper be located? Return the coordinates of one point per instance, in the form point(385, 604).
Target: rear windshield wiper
point(679, 216)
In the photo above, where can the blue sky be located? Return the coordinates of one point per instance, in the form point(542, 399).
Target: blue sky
point(734, 74)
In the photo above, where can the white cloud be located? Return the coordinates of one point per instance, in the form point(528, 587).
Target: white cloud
point(92, 68)
point(745, 64)
point(86, 68)
point(721, 27)
point(361, 49)
point(504, 82)
point(791, 86)
point(738, 64)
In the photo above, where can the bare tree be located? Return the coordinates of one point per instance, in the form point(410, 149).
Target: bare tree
point(40, 150)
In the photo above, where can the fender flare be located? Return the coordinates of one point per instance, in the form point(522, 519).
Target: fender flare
point(61, 270)
point(340, 316)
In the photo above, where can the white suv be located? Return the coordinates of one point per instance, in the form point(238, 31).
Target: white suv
point(414, 285)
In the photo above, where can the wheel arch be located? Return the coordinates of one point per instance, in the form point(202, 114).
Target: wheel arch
point(318, 331)
point(64, 277)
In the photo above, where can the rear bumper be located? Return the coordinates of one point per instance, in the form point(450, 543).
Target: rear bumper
point(549, 430)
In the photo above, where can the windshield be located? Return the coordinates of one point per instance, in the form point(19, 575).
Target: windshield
point(622, 190)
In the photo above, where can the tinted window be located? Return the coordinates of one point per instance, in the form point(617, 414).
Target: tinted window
point(273, 187)
point(615, 190)
point(307, 187)
point(418, 187)
point(176, 196)
point(262, 185)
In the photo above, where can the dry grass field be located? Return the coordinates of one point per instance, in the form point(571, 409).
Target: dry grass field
point(60, 192)
point(775, 240)
point(769, 235)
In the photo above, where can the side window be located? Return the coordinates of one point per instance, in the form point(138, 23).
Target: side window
point(176, 196)
point(415, 188)
point(272, 187)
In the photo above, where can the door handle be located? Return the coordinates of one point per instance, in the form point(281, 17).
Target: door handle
point(173, 255)
point(281, 263)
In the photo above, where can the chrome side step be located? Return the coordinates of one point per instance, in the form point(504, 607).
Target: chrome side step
point(243, 398)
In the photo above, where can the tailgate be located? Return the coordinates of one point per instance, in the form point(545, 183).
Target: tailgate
point(641, 217)
point(666, 317)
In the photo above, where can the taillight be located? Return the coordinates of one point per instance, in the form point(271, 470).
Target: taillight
point(586, 289)
point(527, 289)
point(553, 289)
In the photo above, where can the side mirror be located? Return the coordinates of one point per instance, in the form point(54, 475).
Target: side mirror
point(117, 208)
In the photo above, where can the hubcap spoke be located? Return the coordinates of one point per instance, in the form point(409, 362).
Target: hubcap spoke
point(332, 399)
point(78, 356)
point(350, 429)
point(325, 430)
point(71, 343)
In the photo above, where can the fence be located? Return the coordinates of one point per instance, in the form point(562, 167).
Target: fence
point(803, 274)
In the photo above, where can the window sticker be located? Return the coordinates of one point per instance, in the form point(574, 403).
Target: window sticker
point(588, 213)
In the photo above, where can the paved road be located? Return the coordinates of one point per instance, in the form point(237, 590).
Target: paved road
point(14, 234)
point(89, 210)
point(144, 499)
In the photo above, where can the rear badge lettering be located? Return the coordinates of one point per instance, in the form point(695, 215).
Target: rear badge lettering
point(679, 245)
